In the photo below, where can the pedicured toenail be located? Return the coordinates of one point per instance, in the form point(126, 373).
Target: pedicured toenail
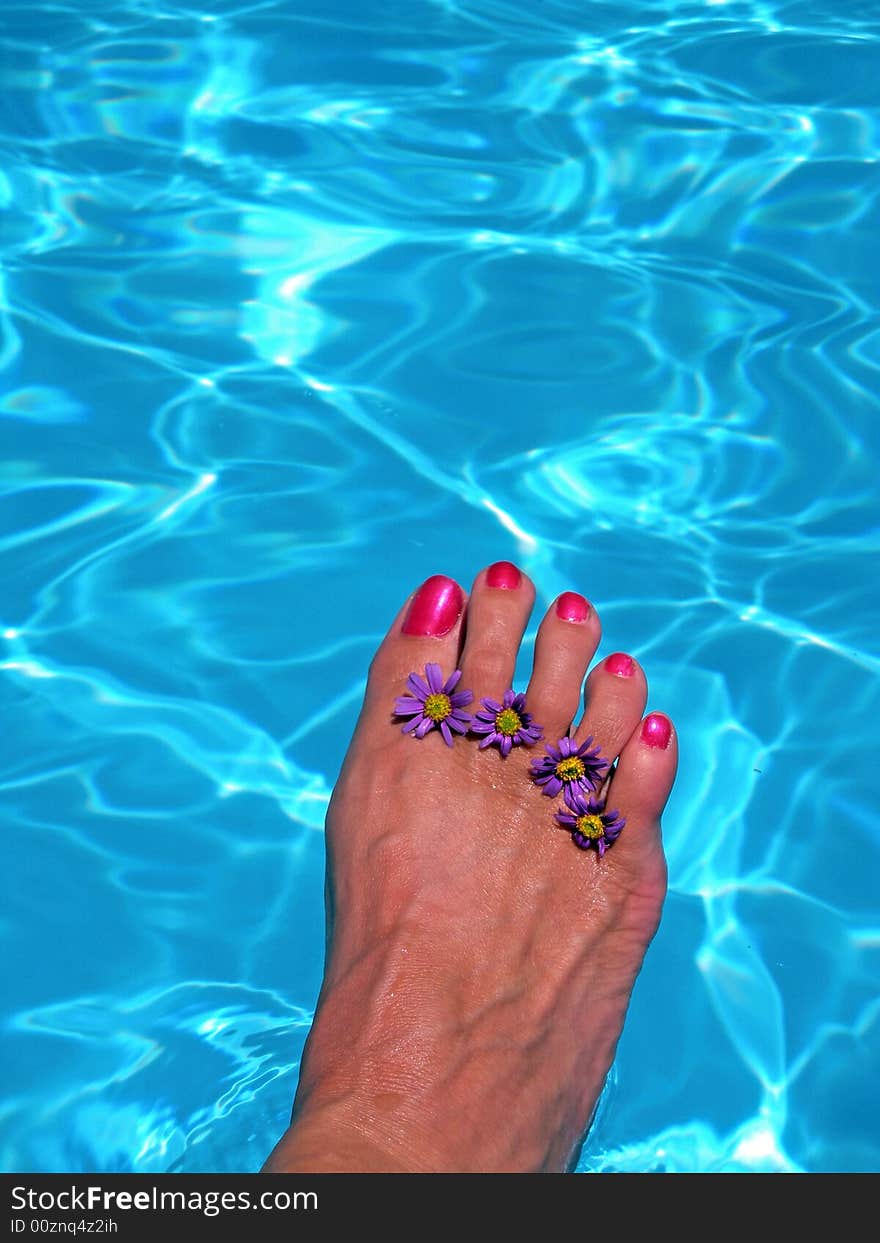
point(656, 731)
point(621, 665)
point(572, 608)
point(435, 607)
point(503, 574)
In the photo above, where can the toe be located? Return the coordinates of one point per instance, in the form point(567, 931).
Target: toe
point(423, 641)
point(639, 790)
point(614, 700)
point(498, 609)
point(566, 641)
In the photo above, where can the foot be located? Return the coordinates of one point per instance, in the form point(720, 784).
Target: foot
point(479, 963)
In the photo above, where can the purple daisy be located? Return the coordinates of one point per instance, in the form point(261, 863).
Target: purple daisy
point(433, 703)
point(506, 724)
point(589, 823)
point(568, 765)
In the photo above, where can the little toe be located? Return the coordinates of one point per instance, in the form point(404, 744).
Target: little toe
point(564, 646)
point(639, 791)
point(614, 700)
point(500, 602)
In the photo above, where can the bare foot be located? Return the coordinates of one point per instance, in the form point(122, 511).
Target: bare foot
point(479, 963)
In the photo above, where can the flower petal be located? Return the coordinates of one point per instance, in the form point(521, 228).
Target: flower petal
point(418, 686)
point(447, 736)
point(434, 674)
point(413, 724)
point(451, 682)
point(575, 800)
point(506, 744)
point(426, 725)
point(406, 705)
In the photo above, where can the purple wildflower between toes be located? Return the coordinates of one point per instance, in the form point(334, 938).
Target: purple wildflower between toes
point(568, 765)
point(506, 724)
point(433, 704)
point(589, 823)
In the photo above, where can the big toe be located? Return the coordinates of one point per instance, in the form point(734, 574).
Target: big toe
point(417, 659)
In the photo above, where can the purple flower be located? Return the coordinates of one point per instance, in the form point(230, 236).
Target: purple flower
point(589, 823)
point(567, 765)
point(433, 704)
point(506, 724)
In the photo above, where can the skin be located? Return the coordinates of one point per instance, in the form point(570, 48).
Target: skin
point(479, 965)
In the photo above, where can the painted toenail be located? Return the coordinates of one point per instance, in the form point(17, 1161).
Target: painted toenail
point(621, 665)
point(572, 608)
point(435, 607)
point(656, 731)
point(503, 574)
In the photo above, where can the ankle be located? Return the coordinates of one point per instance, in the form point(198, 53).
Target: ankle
point(338, 1138)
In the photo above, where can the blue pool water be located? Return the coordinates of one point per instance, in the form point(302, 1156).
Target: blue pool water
point(302, 301)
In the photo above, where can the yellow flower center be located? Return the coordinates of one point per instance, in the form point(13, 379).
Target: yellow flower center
point(437, 707)
point(570, 768)
point(508, 722)
point(591, 827)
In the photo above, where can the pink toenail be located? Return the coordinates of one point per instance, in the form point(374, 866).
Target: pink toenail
point(572, 608)
point(620, 664)
point(656, 731)
point(435, 607)
point(503, 574)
